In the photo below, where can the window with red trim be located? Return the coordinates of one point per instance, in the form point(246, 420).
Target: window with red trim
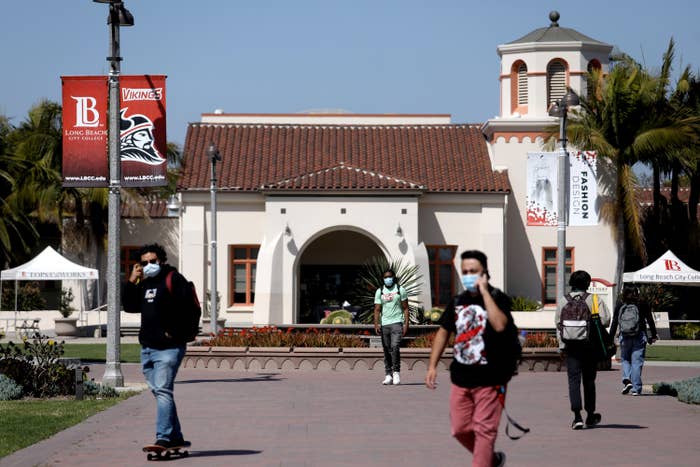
point(549, 273)
point(442, 273)
point(243, 261)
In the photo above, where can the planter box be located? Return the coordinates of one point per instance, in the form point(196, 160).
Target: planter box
point(66, 327)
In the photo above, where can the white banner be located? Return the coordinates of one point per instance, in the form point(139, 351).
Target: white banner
point(542, 188)
point(583, 188)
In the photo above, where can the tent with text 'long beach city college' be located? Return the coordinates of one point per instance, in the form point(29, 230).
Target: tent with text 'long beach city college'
point(668, 269)
point(48, 265)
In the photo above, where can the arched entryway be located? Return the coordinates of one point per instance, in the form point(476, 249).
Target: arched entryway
point(327, 272)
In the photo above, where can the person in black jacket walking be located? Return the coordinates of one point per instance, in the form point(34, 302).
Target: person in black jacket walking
point(155, 289)
point(633, 344)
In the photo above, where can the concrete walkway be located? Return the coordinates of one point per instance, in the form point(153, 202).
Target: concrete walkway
point(328, 418)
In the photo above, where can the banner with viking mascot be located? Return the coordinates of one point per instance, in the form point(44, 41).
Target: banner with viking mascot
point(142, 125)
point(143, 142)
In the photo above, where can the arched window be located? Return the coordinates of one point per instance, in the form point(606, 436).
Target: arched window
point(556, 80)
point(518, 83)
point(594, 65)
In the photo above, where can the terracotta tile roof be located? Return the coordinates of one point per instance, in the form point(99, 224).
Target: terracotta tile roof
point(646, 195)
point(344, 177)
point(154, 208)
point(432, 158)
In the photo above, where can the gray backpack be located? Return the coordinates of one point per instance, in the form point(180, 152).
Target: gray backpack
point(629, 320)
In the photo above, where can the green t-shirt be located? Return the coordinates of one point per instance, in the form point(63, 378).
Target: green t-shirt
point(390, 299)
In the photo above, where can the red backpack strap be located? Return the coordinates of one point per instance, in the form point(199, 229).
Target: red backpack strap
point(169, 281)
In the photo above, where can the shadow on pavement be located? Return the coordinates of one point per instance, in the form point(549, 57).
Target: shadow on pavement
point(252, 379)
point(617, 426)
point(224, 452)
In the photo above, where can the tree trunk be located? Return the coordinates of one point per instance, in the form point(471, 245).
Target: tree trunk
point(621, 252)
point(657, 193)
point(694, 196)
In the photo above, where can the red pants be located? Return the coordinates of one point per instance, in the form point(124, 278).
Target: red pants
point(475, 414)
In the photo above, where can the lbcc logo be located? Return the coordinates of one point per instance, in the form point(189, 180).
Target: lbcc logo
point(86, 115)
point(672, 265)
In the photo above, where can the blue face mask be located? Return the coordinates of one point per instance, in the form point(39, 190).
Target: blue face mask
point(151, 270)
point(469, 281)
point(388, 281)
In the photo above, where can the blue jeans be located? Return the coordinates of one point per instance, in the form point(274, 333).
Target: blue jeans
point(632, 351)
point(160, 368)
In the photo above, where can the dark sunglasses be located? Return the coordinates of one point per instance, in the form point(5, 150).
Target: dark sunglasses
point(153, 261)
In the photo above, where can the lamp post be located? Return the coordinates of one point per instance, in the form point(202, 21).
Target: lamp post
point(118, 16)
point(560, 109)
point(214, 156)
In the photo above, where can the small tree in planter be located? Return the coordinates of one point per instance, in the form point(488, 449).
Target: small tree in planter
point(66, 326)
point(66, 302)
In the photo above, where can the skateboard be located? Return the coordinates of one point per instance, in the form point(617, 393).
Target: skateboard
point(156, 452)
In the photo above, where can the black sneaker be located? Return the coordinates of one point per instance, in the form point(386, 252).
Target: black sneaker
point(577, 424)
point(593, 419)
point(627, 386)
point(499, 459)
point(162, 443)
point(176, 443)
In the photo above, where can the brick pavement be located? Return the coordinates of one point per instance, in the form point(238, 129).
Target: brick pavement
point(328, 418)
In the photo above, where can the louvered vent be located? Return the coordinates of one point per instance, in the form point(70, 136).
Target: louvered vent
point(556, 81)
point(522, 84)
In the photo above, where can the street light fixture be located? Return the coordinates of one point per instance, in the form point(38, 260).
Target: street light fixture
point(560, 109)
point(118, 16)
point(214, 157)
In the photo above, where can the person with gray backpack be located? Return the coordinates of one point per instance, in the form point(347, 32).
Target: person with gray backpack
point(631, 316)
point(573, 323)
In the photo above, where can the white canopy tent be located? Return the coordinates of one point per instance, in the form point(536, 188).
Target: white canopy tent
point(48, 265)
point(668, 269)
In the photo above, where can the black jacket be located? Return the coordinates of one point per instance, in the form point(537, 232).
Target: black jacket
point(157, 306)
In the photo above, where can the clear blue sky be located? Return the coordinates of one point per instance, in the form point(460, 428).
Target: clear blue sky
point(283, 56)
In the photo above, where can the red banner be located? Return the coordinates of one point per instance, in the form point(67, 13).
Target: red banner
point(142, 124)
point(85, 131)
point(143, 143)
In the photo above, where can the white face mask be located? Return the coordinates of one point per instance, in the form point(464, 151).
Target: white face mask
point(151, 270)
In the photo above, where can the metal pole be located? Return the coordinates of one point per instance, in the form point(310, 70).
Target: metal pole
point(113, 373)
point(213, 291)
point(561, 207)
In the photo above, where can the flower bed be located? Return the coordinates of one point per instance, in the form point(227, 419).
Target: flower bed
point(272, 336)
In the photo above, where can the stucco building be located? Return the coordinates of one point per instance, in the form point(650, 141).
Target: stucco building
point(305, 199)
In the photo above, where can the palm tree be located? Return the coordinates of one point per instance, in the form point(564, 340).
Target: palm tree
point(619, 119)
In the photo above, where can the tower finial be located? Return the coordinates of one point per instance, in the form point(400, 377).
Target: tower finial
point(554, 18)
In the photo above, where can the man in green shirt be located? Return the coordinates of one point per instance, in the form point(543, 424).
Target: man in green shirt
point(391, 301)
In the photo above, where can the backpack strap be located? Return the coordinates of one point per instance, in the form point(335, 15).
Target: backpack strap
point(169, 281)
point(594, 310)
point(501, 390)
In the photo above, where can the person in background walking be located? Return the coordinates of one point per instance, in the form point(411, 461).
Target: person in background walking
point(391, 302)
point(478, 318)
point(632, 315)
point(580, 360)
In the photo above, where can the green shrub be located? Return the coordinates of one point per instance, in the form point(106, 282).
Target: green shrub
point(338, 317)
point(20, 371)
point(91, 388)
point(687, 391)
point(433, 315)
point(9, 390)
point(686, 331)
point(525, 304)
point(28, 298)
point(36, 367)
point(271, 336)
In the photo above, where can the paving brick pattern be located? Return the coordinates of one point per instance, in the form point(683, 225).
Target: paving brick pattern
point(348, 419)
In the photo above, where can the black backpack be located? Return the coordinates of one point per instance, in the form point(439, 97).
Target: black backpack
point(574, 319)
point(186, 324)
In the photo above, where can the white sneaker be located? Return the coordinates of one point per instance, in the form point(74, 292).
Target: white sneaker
point(387, 380)
point(396, 379)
